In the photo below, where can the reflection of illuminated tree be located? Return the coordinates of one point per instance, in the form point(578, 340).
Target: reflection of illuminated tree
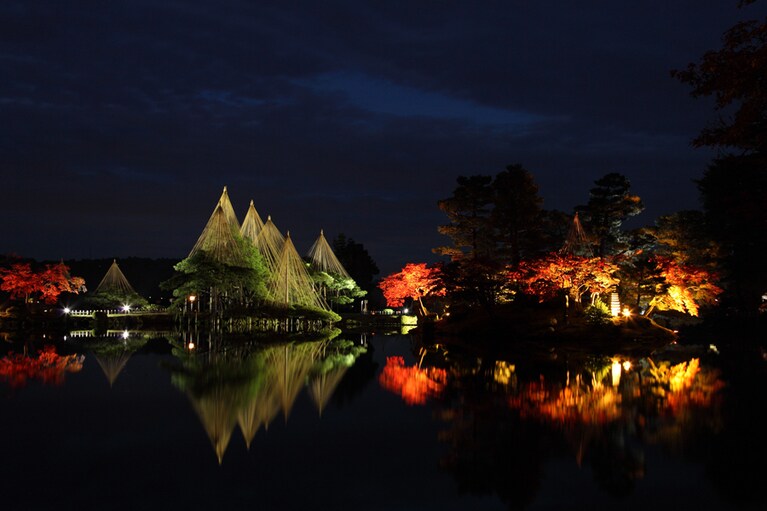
point(576, 403)
point(414, 384)
point(247, 385)
point(291, 365)
point(258, 409)
point(217, 384)
point(48, 367)
point(496, 419)
point(331, 369)
point(112, 354)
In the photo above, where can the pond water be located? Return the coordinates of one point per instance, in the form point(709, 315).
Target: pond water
point(365, 421)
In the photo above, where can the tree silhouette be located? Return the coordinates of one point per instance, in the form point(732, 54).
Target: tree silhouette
point(610, 204)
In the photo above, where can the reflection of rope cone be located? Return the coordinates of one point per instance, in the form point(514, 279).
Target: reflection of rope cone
point(324, 385)
point(293, 363)
point(112, 365)
point(258, 411)
point(218, 413)
point(248, 388)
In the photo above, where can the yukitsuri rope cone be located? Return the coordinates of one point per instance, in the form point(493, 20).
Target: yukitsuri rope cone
point(577, 242)
point(252, 224)
point(270, 242)
point(290, 283)
point(324, 259)
point(115, 282)
point(219, 239)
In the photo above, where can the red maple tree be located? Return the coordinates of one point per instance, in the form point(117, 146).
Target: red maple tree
point(415, 280)
point(547, 276)
point(21, 281)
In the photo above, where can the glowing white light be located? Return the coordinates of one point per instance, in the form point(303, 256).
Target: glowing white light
point(626, 312)
point(190, 345)
point(615, 304)
point(126, 308)
point(125, 334)
point(67, 310)
point(616, 372)
point(626, 365)
point(405, 310)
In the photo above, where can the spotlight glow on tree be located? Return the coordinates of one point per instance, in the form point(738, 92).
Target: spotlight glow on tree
point(548, 276)
point(22, 282)
point(413, 281)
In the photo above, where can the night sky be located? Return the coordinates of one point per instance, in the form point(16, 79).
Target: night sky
point(122, 121)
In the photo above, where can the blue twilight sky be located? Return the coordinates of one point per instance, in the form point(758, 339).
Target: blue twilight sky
point(121, 121)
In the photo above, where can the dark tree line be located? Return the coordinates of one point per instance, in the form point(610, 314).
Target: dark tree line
point(734, 187)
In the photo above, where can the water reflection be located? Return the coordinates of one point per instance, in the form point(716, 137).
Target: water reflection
point(501, 425)
point(249, 383)
point(414, 383)
point(46, 366)
point(112, 349)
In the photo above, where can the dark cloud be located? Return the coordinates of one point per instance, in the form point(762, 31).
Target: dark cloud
point(122, 121)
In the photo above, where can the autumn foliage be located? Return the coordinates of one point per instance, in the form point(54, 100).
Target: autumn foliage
point(548, 276)
point(48, 367)
point(413, 281)
point(23, 282)
point(414, 384)
point(686, 287)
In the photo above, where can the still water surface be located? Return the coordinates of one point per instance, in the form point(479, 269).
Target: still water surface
point(373, 422)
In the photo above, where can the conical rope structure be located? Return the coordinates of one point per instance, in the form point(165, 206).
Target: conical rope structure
point(270, 242)
point(324, 259)
point(115, 282)
point(219, 240)
point(226, 205)
point(577, 242)
point(252, 224)
point(290, 283)
point(220, 237)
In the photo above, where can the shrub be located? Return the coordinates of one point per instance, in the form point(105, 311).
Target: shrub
point(597, 314)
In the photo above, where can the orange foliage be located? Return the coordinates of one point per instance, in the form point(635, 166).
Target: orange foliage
point(688, 287)
point(545, 277)
point(684, 385)
point(21, 281)
point(414, 384)
point(570, 405)
point(413, 281)
point(48, 367)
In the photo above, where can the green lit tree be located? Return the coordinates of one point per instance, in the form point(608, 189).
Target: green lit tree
point(224, 285)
